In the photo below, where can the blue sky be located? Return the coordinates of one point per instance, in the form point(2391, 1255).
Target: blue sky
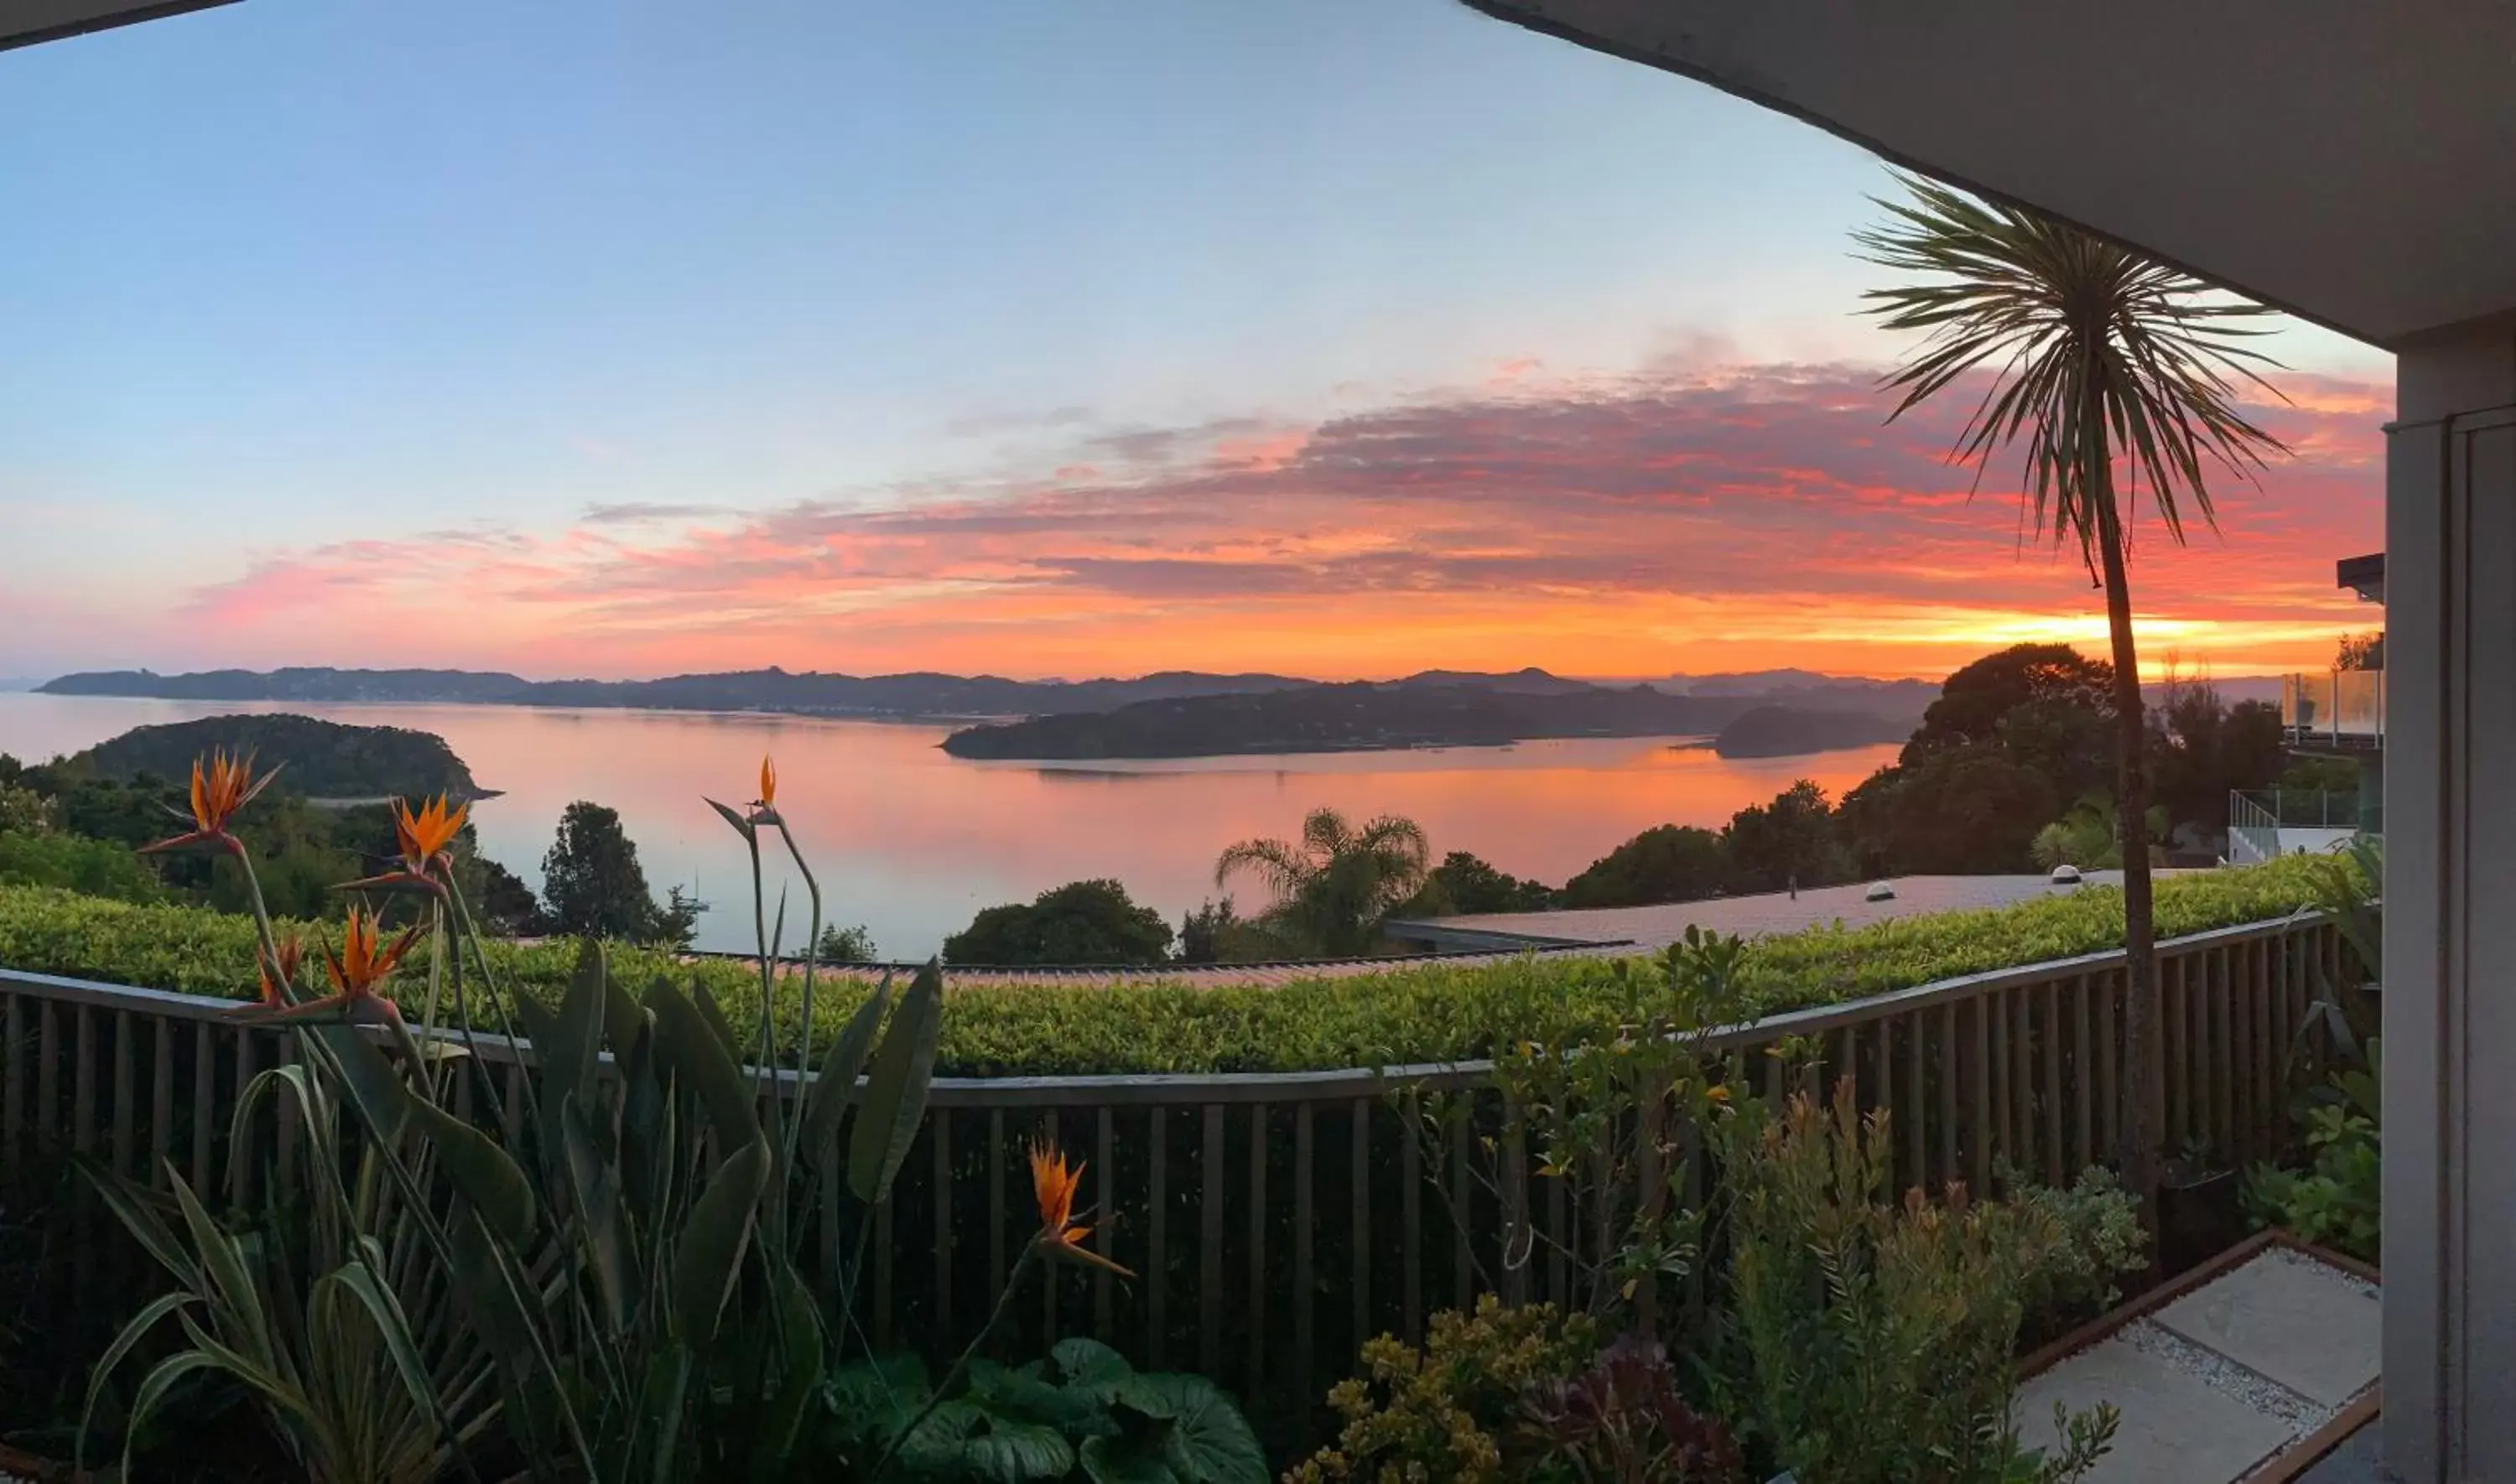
point(285, 275)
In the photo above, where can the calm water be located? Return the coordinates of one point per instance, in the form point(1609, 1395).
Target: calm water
point(912, 843)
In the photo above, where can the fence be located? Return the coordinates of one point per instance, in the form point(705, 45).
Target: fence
point(1276, 1220)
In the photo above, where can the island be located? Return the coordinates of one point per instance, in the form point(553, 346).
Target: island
point(328, 761)
point(1788, 731)
point(1363, 716)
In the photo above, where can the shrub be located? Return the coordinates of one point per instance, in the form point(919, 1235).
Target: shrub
point(1402, 1014)
point(1446, 1412)
point(91, 867)
point(2336, 1200)
point(1876, 1337)
point(1623, 1420)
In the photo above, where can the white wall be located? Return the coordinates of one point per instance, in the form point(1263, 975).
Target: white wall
point(2450, 1184)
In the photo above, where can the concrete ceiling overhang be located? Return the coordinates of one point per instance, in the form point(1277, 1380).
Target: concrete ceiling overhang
point(2354, 163)
point(23, 22)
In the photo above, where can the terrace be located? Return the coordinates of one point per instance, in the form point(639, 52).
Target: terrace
point(2351, 171)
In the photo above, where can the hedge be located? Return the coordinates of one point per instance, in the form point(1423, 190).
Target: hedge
point(1428, 1013)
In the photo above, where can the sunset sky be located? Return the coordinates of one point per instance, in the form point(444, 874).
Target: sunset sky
point(1330, 337)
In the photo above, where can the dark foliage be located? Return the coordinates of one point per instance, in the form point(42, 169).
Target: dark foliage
point(1465, 883)
point(1791, 842)
point(1624, 1422)
point(1666, 863)
point(594, 887)
point(1086, 922)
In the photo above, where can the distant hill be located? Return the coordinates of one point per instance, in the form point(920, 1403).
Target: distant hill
point(765, 690)
point(296, 684)
point(322, 759)
point(1529, 682)
point(1786, 731)
point(1349, 717)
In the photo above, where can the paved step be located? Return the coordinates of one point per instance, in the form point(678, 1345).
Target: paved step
point(2221, 1380)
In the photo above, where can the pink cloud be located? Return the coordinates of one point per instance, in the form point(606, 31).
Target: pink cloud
point(1681, 518)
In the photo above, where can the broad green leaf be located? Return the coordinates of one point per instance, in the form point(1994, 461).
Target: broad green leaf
point(895, 1095)
point(708, 1259)
point(646, 1146)
point(1209, 1442)
point(714, 1015)
point(699, 1059)
point(1125, 1460)
point(490, 1297)
point(598, 1212)
point(535, 1022)
point(374, 1087)
point(482, 1172)
point(836, 1086)
point(799, 1378)
point(623, 1018)
point(1086, 1362)
point(1006, 1452)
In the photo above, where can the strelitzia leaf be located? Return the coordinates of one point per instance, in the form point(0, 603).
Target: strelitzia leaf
point(376, 1089)
point(153, 1387)
point(742, 826)
point(836, 1087)
point(598, 1209)
point(138, 1329)
point(484, 1172)
point(895, 1095)
point(137, 1209)
point(359, 1280)
point(714, 1013)
point(702, 1061)
point(710, 1256)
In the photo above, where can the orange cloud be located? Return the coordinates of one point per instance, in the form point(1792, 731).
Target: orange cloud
point(1739, 518)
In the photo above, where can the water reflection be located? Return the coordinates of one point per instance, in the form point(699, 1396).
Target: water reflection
point(912, 843)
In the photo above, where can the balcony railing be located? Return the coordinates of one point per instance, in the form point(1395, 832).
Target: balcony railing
point(2264, 824)
point(2343, 707)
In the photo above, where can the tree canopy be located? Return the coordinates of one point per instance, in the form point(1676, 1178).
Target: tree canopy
point(1336, 884)
point(1086, 922)
point(595, 888)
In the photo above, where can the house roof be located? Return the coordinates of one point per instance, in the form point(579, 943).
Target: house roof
point(1644, 929)
point(2342, 160)
point(24, 22)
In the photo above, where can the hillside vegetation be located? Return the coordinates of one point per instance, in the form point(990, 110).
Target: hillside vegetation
point(323, 760)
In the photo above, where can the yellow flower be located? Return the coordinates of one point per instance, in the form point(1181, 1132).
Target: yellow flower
point(219, 791)
point(363, 964)
point(1054, 1185)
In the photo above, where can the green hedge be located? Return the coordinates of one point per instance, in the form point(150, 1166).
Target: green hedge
point(1406, 1014)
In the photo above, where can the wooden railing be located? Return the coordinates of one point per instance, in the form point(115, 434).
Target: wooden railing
point(1276, 1221)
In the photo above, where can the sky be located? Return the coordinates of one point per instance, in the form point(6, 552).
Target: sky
point(1328, 337)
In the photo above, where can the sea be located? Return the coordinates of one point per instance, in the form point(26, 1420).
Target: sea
point(911, 843)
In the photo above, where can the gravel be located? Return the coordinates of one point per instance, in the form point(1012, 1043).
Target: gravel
point(2220, 1374)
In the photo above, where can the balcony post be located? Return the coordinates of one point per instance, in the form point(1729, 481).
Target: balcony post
point(2450, 969)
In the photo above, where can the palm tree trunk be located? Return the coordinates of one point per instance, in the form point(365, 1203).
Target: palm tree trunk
point(2143, 1083)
